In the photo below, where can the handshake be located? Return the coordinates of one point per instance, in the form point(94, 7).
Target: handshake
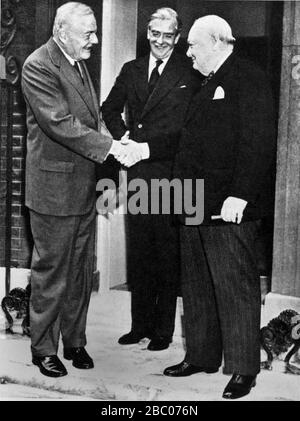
point(128, 152)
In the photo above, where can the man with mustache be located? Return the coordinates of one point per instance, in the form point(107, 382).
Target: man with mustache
point(63, 146)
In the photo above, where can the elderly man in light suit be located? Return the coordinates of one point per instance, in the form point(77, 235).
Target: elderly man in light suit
point(63, 146)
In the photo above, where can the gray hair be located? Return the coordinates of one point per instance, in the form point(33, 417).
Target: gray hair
point(166, 13)
point(65, 12)
point(216, 27)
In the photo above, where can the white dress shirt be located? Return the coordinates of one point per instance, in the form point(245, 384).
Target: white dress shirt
point(152, 64)
point(69, 58)
point(222, 60)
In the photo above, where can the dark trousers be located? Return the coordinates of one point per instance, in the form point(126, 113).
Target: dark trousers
point(61, 280)
point(221, 296)
point(153, 273)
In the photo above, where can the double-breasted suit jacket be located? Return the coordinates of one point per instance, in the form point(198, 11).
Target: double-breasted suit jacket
point(229, 140)
point(157, 119)
point(152, 241)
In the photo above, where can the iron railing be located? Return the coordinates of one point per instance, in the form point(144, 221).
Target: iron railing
point(9, 79)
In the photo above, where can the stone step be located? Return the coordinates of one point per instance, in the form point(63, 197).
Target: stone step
point(114, 309)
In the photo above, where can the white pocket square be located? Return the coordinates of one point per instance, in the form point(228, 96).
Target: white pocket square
point(182, 86)
point(219, 93)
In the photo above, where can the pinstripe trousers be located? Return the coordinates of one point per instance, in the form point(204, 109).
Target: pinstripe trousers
point(221, 296)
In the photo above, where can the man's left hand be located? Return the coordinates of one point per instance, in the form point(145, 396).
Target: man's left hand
point(232, 209)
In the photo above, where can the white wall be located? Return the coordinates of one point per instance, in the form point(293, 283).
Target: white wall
point(119, 29)
point(19, 278)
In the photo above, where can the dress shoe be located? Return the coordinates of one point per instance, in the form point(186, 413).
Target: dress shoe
point(238, 386)
point(186, 369)
point(80, 357)
point(131, 338)
point(158, 343)
point(50, 366)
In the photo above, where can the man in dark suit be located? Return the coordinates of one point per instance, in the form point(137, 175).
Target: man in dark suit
point(156, 89)
point(227, 140)
point(63, 145)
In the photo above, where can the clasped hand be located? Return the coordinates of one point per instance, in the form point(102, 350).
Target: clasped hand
point(128, 152)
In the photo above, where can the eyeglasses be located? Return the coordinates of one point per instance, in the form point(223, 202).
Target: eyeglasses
point(169, 36)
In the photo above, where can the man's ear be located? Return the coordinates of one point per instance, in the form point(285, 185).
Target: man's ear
point(177, 38)
point(216, 43)
point(62, 36)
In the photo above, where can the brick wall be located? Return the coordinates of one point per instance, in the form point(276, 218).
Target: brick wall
point(33, 27)
point(21, 244)
point(21, 238)
point(23, 43)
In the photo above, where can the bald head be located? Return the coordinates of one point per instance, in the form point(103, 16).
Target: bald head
point(216, 27)
point(209, 39)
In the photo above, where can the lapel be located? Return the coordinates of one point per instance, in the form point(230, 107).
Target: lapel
point(207, 91)
point(70, 74)
point(92, 90)
point(141, 79)
point(168, 79)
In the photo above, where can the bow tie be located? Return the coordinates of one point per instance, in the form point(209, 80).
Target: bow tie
point(207, 79)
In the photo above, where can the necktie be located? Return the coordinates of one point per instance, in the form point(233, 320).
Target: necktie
point(207, 79)
point(78, 68)
point(154, 76)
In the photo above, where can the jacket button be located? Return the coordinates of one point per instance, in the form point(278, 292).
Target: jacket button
point(140, 125)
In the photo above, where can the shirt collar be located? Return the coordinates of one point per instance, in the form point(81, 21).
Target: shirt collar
point(69, 58)
point(222, 60)
point(152, 60)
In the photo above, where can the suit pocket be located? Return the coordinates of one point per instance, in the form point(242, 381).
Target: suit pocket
point(57, 166)
point(218, 102)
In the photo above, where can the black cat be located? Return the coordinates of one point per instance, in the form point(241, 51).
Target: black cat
point(278, 336)
point(17, 300)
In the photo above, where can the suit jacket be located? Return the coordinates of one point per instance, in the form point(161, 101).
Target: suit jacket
point(230, 142)
point(63, 141)
point(157, 119)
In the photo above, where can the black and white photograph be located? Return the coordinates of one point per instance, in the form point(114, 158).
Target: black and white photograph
point(149, 203)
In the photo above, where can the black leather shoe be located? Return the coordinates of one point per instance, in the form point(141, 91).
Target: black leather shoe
point(131, 338)
point(187, 369)
point(238, 386)
point(80, 357)
point(50, 366)
point(158, 343)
